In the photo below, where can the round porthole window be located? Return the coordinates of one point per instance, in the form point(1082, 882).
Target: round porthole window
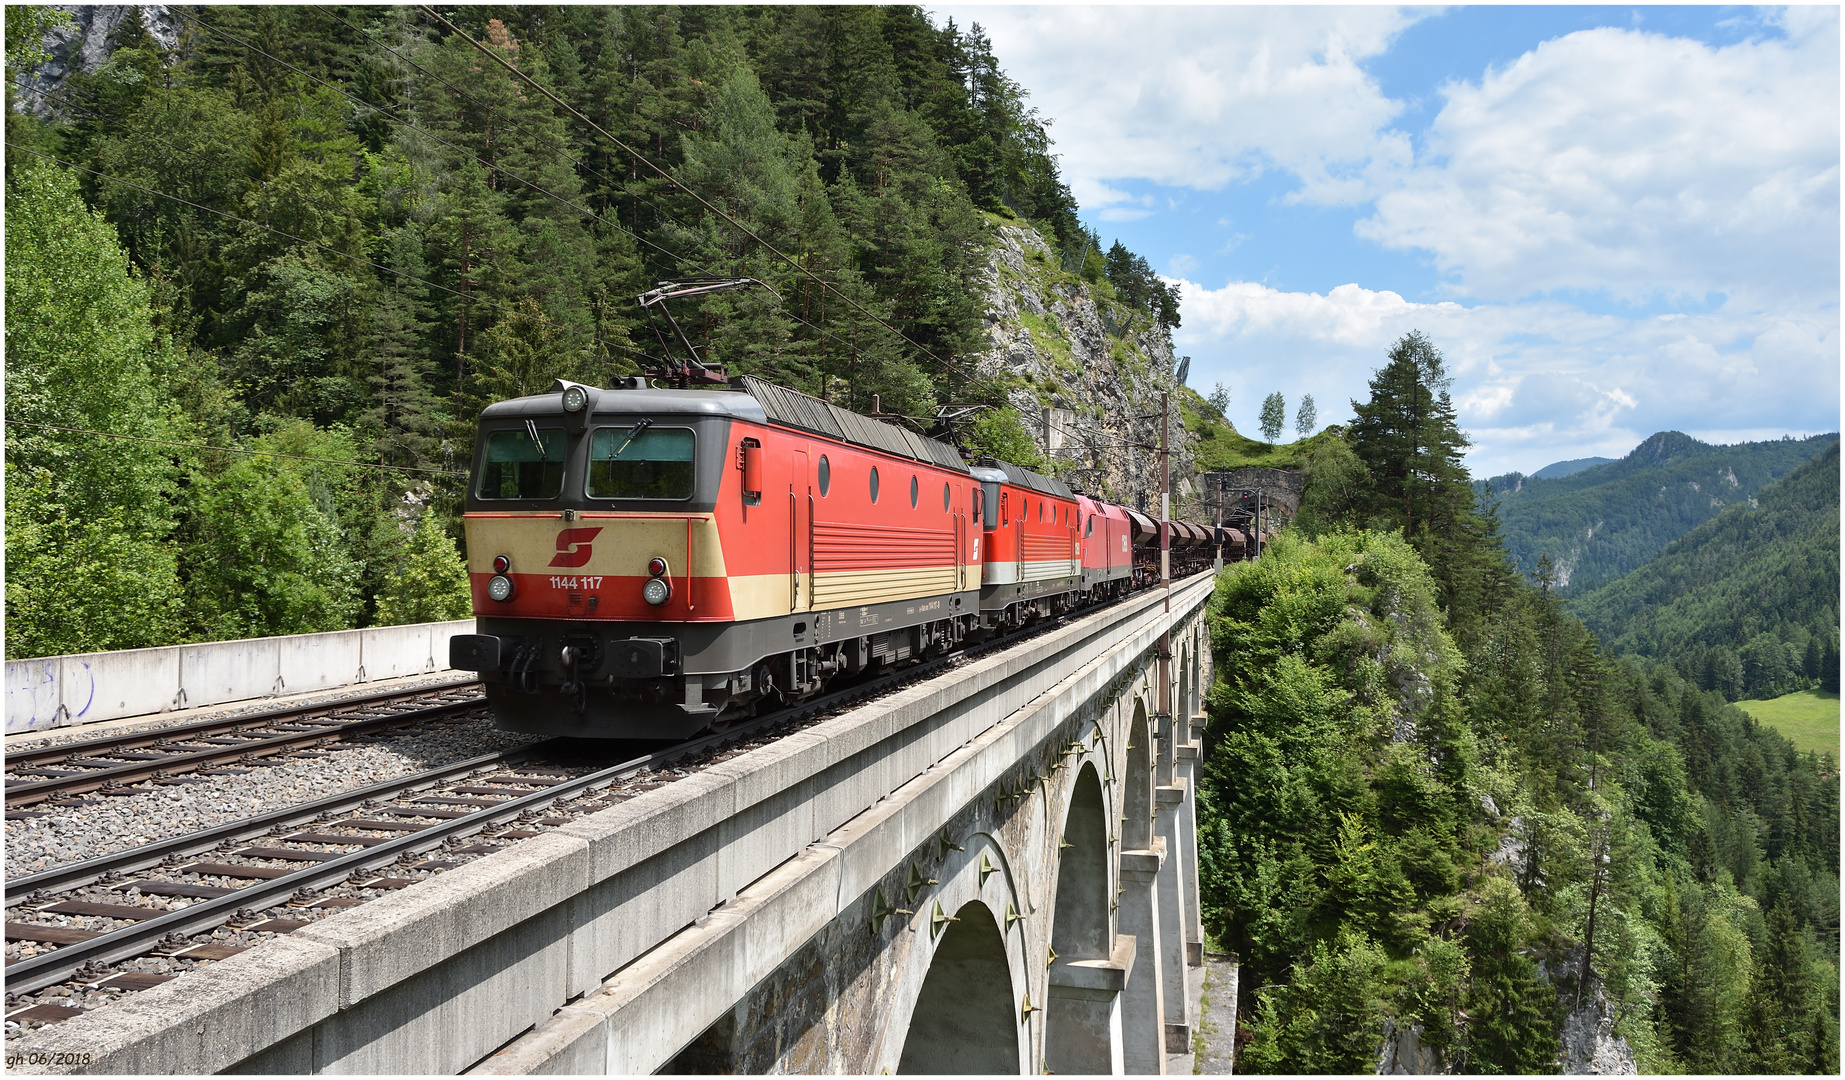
point(826, 475)
point(914, 491)
point(874, 483)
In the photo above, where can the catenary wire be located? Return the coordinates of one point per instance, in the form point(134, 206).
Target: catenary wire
point(390, 114)
point(676, 182)
point(235, 450)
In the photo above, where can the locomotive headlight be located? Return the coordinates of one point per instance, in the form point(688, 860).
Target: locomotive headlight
point(575, 397)
point(656, 591)
point(500, 587)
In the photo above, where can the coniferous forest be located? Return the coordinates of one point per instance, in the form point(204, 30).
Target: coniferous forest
point(1433, 805)
point(319, 235)
point(1746, 604)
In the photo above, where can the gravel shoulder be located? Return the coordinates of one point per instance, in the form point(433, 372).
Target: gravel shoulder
point(102, 825)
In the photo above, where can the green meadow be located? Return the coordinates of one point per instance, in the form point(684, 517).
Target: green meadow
point(1809, 719)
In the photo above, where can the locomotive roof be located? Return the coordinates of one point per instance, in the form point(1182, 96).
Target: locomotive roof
point(1025, 478)
point(662, 402)
point(758, 401)
point(791, 408)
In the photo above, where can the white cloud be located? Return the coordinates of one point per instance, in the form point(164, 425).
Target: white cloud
point(1535, 381)
point(1648, 166)
point(1198, 96)
point(1606, 164)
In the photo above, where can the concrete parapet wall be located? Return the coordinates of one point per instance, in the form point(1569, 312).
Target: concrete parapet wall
point(84, 688)
point(613, 942)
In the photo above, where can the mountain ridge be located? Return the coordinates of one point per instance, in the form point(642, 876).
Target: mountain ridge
point(1746, 603)
point(1557, 470)
point(1602, 522)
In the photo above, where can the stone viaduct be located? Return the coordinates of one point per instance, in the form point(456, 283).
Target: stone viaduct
point(991, 871)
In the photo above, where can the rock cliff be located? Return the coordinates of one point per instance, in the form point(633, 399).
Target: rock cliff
point(1087, 374)
point(85, 46)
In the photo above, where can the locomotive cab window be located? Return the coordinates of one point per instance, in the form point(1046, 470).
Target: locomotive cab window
point(641, 463)
point(523, 463)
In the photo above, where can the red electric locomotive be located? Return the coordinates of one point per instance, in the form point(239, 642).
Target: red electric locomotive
point(1032, 565)
point(647, 563)
point(1108, 550)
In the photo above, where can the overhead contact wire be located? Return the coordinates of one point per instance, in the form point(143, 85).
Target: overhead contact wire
point(676, 182)
point(391, 114)
point(235, 450)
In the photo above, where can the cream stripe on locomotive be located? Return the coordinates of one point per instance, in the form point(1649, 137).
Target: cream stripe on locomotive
point(761, 596)
point(878, 586)
point(1007, 573)
point(617, 544)
point(1042, 571)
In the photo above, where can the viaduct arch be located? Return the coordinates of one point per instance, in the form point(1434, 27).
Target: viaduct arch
point(1061, 899)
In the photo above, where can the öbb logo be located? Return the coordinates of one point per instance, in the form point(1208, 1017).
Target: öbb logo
point(573, 547)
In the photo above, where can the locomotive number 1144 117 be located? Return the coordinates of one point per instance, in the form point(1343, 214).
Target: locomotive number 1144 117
point(576, 583)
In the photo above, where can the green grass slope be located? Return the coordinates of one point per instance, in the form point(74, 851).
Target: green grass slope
point(1808, 718)
point(1753, 572)
point(1606, 521)
point(1221, 446)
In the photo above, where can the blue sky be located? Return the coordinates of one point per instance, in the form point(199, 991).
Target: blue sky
point(1613, 220)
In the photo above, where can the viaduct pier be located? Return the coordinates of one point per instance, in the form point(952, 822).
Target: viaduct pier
point(993, 870)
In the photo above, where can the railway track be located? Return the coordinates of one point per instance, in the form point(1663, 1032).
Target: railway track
point(276, 872)
point(107, 765)
point(370, 840)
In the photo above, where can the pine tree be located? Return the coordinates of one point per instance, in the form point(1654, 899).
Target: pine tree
point(1407, 436)
point(1512, 1029)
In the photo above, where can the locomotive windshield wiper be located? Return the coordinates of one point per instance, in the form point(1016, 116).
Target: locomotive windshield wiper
point(531, 428)
point(632, 435)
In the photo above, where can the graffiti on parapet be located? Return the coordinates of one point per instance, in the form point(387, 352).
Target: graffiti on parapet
point(34, 700)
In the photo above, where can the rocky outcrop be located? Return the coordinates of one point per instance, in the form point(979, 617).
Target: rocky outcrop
point(84, 46)
point(1590, 1046)
point(1404, 1055)
point(1088, 374)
